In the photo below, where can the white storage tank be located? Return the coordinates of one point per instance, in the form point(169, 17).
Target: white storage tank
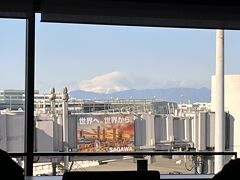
point(160, 128)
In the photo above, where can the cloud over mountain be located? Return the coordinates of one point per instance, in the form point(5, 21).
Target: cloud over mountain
point(106, 83)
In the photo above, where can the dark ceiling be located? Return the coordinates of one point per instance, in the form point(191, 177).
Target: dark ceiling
point(162, 13)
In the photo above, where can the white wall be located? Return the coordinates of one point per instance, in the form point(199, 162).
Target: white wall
point(12, 131)
point(15, 131)
point(232, 104)
point(3, 132)
point(45, 136)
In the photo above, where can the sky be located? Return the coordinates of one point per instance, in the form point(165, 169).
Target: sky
point(105, 59)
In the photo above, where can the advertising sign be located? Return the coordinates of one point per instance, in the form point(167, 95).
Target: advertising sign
point(105, 132)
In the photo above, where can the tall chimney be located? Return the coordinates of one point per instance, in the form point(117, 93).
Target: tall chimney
point(219, 114)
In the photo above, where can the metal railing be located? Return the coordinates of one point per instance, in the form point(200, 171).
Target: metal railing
point(134, 153)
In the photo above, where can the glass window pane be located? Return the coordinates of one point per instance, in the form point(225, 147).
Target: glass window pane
point(125, 89)
point(12, 48)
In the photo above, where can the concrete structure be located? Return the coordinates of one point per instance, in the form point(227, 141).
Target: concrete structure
point(65, 98)
point(52, 99)
point(219, 115)
point(45, 128)
point(12, 131)
point(232, 104)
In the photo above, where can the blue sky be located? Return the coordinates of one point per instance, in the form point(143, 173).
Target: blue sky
point(112, 58)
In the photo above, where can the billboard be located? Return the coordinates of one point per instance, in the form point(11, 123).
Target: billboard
point(111, 132)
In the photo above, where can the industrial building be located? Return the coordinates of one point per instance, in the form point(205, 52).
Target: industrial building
point(157, 126)
point(11, 99)
point(156, 132)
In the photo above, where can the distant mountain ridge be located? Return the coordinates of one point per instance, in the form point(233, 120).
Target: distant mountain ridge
point(183, 95)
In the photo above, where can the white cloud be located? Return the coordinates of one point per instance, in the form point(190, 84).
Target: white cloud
point(106, 83)
point(119, 81)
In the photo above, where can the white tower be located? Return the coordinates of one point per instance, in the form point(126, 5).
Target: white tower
point(219, 114)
